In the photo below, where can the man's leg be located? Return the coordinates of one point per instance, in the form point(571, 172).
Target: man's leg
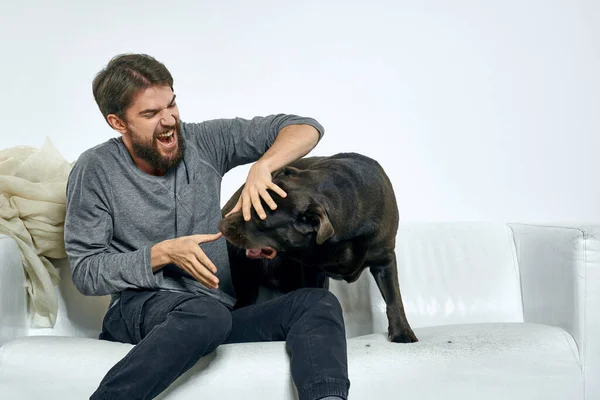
point(311, 323)
point(175, 329)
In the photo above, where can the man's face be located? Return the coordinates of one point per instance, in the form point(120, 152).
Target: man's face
point(153, 133)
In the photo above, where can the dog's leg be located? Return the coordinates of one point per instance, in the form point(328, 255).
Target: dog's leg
point(386, 277)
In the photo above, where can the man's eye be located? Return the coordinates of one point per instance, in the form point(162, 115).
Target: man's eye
point(173, 105)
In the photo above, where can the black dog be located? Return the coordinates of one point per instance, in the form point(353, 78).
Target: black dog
point(338, 218)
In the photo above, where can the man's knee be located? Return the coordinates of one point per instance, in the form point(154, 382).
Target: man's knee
point(203, 320)
point(317, 300)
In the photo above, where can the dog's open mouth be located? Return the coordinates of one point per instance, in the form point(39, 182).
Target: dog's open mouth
point(264, 252)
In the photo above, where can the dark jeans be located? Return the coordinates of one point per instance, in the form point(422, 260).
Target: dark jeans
point(180, 328)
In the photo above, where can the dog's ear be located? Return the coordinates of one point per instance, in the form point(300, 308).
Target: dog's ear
point(324, 228)
point(286, 171)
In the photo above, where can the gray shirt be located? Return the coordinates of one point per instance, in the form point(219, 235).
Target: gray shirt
point(116, 212)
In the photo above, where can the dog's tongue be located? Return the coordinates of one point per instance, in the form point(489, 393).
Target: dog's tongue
point(265, 252)
point(253, 253)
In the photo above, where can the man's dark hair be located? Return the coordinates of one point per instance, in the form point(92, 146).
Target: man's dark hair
point(123, 77)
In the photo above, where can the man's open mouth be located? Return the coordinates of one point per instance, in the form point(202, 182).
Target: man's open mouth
point(264, 252)
point(167, 138)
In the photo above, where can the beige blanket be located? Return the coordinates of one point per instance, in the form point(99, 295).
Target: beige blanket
point(32, 211)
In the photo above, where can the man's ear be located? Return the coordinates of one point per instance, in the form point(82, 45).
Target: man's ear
point(117, 123)
point(324, 228)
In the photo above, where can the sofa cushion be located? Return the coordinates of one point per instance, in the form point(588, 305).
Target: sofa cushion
point(470, 361)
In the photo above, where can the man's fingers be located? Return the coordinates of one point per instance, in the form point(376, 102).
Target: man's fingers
point(246, 204)
point(204, 238)
point(277, 189)
point(252, 198)
point(193, 270)
point(257, 204)
point(201, 256)
point(204, 266)
point(203, 275)
point(268, 199)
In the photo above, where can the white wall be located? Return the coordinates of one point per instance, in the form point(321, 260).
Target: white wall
point(479, 110)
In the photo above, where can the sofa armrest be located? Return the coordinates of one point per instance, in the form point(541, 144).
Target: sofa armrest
point(13, 303)
point(560, 283)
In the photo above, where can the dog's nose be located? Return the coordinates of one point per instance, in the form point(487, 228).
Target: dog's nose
point(222, 226)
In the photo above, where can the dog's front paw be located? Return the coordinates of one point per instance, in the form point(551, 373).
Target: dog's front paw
point(403, 336)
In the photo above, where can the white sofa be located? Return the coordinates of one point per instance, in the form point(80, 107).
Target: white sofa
point(502, 311)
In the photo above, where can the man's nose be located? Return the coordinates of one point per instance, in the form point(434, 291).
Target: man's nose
point(169, 118)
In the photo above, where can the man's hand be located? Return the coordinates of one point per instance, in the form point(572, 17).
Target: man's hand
point(186, 253)
point(257, 183)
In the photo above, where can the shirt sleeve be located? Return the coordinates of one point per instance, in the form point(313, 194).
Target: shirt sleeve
point(96, 269)
point(228, 143)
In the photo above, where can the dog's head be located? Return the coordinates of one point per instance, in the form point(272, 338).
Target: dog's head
point(299, 221)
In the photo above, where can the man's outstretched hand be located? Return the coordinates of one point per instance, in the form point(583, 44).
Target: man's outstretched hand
point(257, 183)
point(186, 253)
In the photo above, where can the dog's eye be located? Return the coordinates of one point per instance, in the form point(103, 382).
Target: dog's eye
point(302, 218)
point(303, 224)
point(306, 219)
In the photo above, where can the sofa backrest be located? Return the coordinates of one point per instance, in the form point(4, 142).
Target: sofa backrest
point(449, 273)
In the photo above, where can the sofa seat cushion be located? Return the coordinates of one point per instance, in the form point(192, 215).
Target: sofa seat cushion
point(471, 361)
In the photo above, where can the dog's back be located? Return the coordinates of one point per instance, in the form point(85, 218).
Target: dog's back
point(358, 184)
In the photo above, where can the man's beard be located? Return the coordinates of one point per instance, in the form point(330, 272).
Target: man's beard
point(148, 151)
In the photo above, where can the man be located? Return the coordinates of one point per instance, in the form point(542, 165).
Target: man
point(142, 210)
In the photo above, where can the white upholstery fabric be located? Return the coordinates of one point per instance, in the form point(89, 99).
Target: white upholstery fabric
point(560, 274)
point(477, 361)
point(449, 273)
point(502, 311)
point(458, 273)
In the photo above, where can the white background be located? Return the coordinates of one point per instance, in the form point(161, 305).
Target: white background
point(479, 110)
